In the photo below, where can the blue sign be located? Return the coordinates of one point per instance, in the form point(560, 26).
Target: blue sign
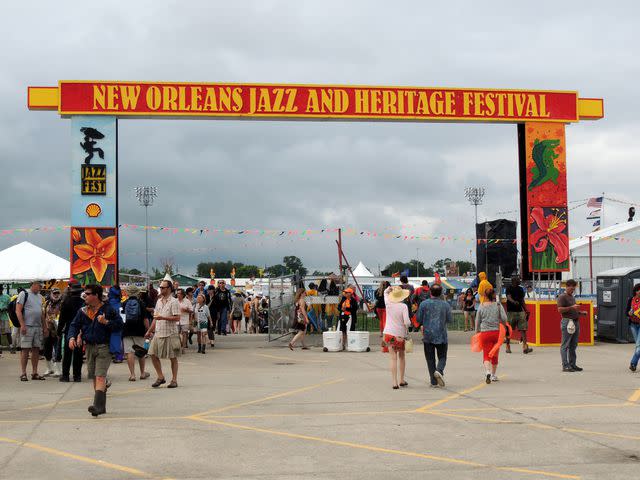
point(94, 171)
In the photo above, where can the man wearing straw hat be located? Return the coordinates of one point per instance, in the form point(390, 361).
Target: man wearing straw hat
point(433, 316)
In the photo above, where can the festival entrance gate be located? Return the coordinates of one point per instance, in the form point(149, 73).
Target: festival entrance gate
point(95, 106)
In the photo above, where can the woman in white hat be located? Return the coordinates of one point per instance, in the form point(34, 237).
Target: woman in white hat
point(395, 331)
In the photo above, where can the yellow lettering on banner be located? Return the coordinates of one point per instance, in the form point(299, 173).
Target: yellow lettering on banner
point(521, 99)
point(313, 104)
point(182, 99)
point(375, 101)
point(237, 99)
point(543, 106)
point(112, 96)
point(278, 101)
point(490, 103)
point(169, 98)
point(362, 101)
point(478, 103)
point(224, 96)
point(411, 98)
point(130, 94)
point(423, 104)
point(401, 94)
point(436, 104)
point(196, 98)
point(264, 101)
point(326, 100)
point(291, 98)
point(510, 104)
point(210, 100)
point(389, 102)
point(532, 106)
point(154, 98)
point(98, 97)
point(467, 101)
point(501, 97)
point(449, 103)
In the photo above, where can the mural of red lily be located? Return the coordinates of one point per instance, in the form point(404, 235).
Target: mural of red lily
point(93, 255)
point(548, 239)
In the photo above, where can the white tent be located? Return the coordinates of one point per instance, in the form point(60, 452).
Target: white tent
point(362, 271)
point(25, 262)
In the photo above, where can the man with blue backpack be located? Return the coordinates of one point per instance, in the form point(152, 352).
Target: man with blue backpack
point(136, 323)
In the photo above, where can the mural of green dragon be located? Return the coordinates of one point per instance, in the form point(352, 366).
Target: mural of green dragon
point(543, 156)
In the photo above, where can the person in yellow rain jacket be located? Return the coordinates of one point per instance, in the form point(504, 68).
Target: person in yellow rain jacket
point(483, 286)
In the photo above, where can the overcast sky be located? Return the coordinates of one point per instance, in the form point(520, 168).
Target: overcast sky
point(395, 177)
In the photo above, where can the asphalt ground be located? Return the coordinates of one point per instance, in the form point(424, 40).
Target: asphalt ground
point(248, 409)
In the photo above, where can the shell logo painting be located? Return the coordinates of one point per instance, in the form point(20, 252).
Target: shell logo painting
point(93, 255)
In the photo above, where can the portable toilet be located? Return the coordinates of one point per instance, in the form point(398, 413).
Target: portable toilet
point(614, 287)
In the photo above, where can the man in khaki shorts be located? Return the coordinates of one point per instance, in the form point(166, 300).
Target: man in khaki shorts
point(32, 329)
point(166, 341)
point(93, 325)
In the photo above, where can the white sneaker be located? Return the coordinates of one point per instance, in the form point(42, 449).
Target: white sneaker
point(57, 369)
point(494, 378)
point(49, 369)
point(439, 378)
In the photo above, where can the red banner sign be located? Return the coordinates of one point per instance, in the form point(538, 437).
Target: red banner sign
point(315, 101)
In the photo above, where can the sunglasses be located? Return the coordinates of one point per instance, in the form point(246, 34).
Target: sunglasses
point(161, 287)
point(89, 293)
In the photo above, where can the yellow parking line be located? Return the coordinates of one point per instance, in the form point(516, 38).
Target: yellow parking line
point(372, 448)
point(88, 419)
point(314, 414)
point(465, 417)
point(586, 432)
point(429, 406)
point(68, 402)
point(538, 407)
point(290, 359)
point(265, 399)
point(80, 458)
point(635, 396)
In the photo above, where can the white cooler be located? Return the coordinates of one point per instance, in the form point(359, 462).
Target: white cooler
point(358, 342)
point(332, 341)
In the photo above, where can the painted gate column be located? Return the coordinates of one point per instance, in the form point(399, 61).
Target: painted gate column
point(543, 197)
point(94, 199)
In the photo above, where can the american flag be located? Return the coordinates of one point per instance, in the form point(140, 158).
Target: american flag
point(596, 225)
point(594, 215)
point(595, 202)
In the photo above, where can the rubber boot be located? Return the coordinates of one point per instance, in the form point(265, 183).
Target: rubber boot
point(99, 403)
point(203, 346)
point(199, 348)
point(49, 368)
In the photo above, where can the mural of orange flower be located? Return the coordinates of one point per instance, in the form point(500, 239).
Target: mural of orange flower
point(96, 254)
point(76, 235)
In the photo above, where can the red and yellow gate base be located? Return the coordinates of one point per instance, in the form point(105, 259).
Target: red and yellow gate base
point(544, 323)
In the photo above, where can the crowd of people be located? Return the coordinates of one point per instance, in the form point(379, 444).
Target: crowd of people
point(86, 325)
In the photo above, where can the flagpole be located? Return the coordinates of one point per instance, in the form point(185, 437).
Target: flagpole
point(602, 213)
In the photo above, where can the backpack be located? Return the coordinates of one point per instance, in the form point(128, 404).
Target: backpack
point(13, 316)
point(133, 310)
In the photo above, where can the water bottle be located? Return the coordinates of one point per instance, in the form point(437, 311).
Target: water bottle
point(146, 344)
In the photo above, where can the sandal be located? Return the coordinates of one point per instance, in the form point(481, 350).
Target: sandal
point(23, 378)
point(158, 382)
point(173, 384)
point(36, 376)
point(305, 348)
point(145, 375)
point(403, 384)
point(396, 387)
point(290, 347)
point(132, 379)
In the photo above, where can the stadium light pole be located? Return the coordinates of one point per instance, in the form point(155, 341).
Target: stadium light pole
point(475, 195)
point(146, 195)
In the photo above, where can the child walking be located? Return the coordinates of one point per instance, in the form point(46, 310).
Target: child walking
point(203, 319)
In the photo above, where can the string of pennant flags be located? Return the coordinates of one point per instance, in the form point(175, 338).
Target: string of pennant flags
point(299, 233)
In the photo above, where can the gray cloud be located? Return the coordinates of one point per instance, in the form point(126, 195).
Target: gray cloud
point(231, 174)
